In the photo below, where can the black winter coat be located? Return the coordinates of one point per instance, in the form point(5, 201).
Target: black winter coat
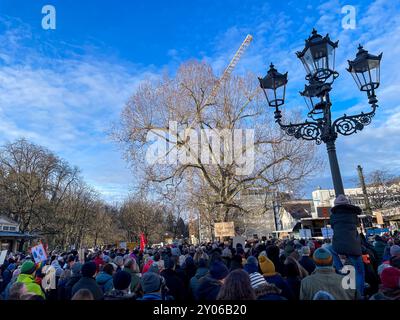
point(69, 285)
point(307, 263)
point(175, 285)
point(208, 289)
point(91, 285)
point(346, 239)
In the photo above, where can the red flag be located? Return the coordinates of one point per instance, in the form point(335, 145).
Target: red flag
point(143, 242)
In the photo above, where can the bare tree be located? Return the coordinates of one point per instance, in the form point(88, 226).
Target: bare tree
point(166, 112)
point(138, 215)
point(47, 197)
point(383, 189)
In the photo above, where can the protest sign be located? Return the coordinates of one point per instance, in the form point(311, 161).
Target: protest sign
point(379, 218)
point(38, 253)
point(327, 232)
point(305, 233)
point(3, 255)
point(224, 229)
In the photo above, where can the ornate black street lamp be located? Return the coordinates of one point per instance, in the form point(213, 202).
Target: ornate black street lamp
point(318, 58)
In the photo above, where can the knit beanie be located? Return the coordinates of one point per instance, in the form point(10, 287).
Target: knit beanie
point(119, 261)
point(218, 270)
point(341, 200)
point(88, 269)
point(305, 251)
point(76, 268)
point(267, 266)
point(322, 258)
point(11, 267)
point(175, 252)
point(122, 280)
point(251, 265)
point(395, 250)
point(154, 268)
point(256, 280)
point(288, 250)
point(28, 267)
point(252, 260)
point(150, 282)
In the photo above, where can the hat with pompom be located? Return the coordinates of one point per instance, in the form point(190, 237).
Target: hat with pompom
point(322, 258)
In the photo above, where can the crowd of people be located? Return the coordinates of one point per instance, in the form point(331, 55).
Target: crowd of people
point(359, 268)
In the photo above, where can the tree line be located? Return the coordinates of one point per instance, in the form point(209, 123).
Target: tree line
point(48, 198)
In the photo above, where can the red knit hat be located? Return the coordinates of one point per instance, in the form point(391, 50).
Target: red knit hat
point(390, 277)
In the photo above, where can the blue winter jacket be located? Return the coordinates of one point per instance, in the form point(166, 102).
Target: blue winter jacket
point(105, 281)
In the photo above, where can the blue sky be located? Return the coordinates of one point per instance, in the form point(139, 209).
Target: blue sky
point(63, 88)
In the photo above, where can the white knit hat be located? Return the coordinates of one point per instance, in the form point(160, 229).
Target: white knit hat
point(256, 280)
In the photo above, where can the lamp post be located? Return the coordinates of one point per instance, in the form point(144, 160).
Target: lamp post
point(318, 58)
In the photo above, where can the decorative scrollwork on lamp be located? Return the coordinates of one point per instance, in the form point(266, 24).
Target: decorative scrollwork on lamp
point(305, 130)
point(348, 125)
point(318, 58)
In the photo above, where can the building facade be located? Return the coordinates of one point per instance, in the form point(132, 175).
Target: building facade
point(10, 236)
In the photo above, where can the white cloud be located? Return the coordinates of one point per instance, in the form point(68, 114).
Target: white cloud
point(378, 29)
point(67, 105)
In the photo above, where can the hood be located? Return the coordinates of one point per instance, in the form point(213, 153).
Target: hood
point(207, 286)
point(11, 267)
point(25, 278)
point(103, 277)
point(55, 264)
point(201, 272)
point(250, 268)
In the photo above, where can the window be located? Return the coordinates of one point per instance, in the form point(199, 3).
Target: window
point(13, 228)
point(6, 228)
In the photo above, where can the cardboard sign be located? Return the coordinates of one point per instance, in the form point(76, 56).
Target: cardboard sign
point(38, 253)
point(237, 240)
point(305, 233)
point(3, 255)
point(122, 245)
point(379, 218)
point(224, 229)
point(327, 232)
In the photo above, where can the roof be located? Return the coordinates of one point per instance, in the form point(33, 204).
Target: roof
point(10, 234)
point(7, 219)
point(298, 210)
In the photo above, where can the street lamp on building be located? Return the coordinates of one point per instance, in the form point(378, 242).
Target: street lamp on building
point(318, 58)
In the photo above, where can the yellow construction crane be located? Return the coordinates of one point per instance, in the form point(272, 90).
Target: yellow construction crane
point(225, 76)
point(229, 68)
